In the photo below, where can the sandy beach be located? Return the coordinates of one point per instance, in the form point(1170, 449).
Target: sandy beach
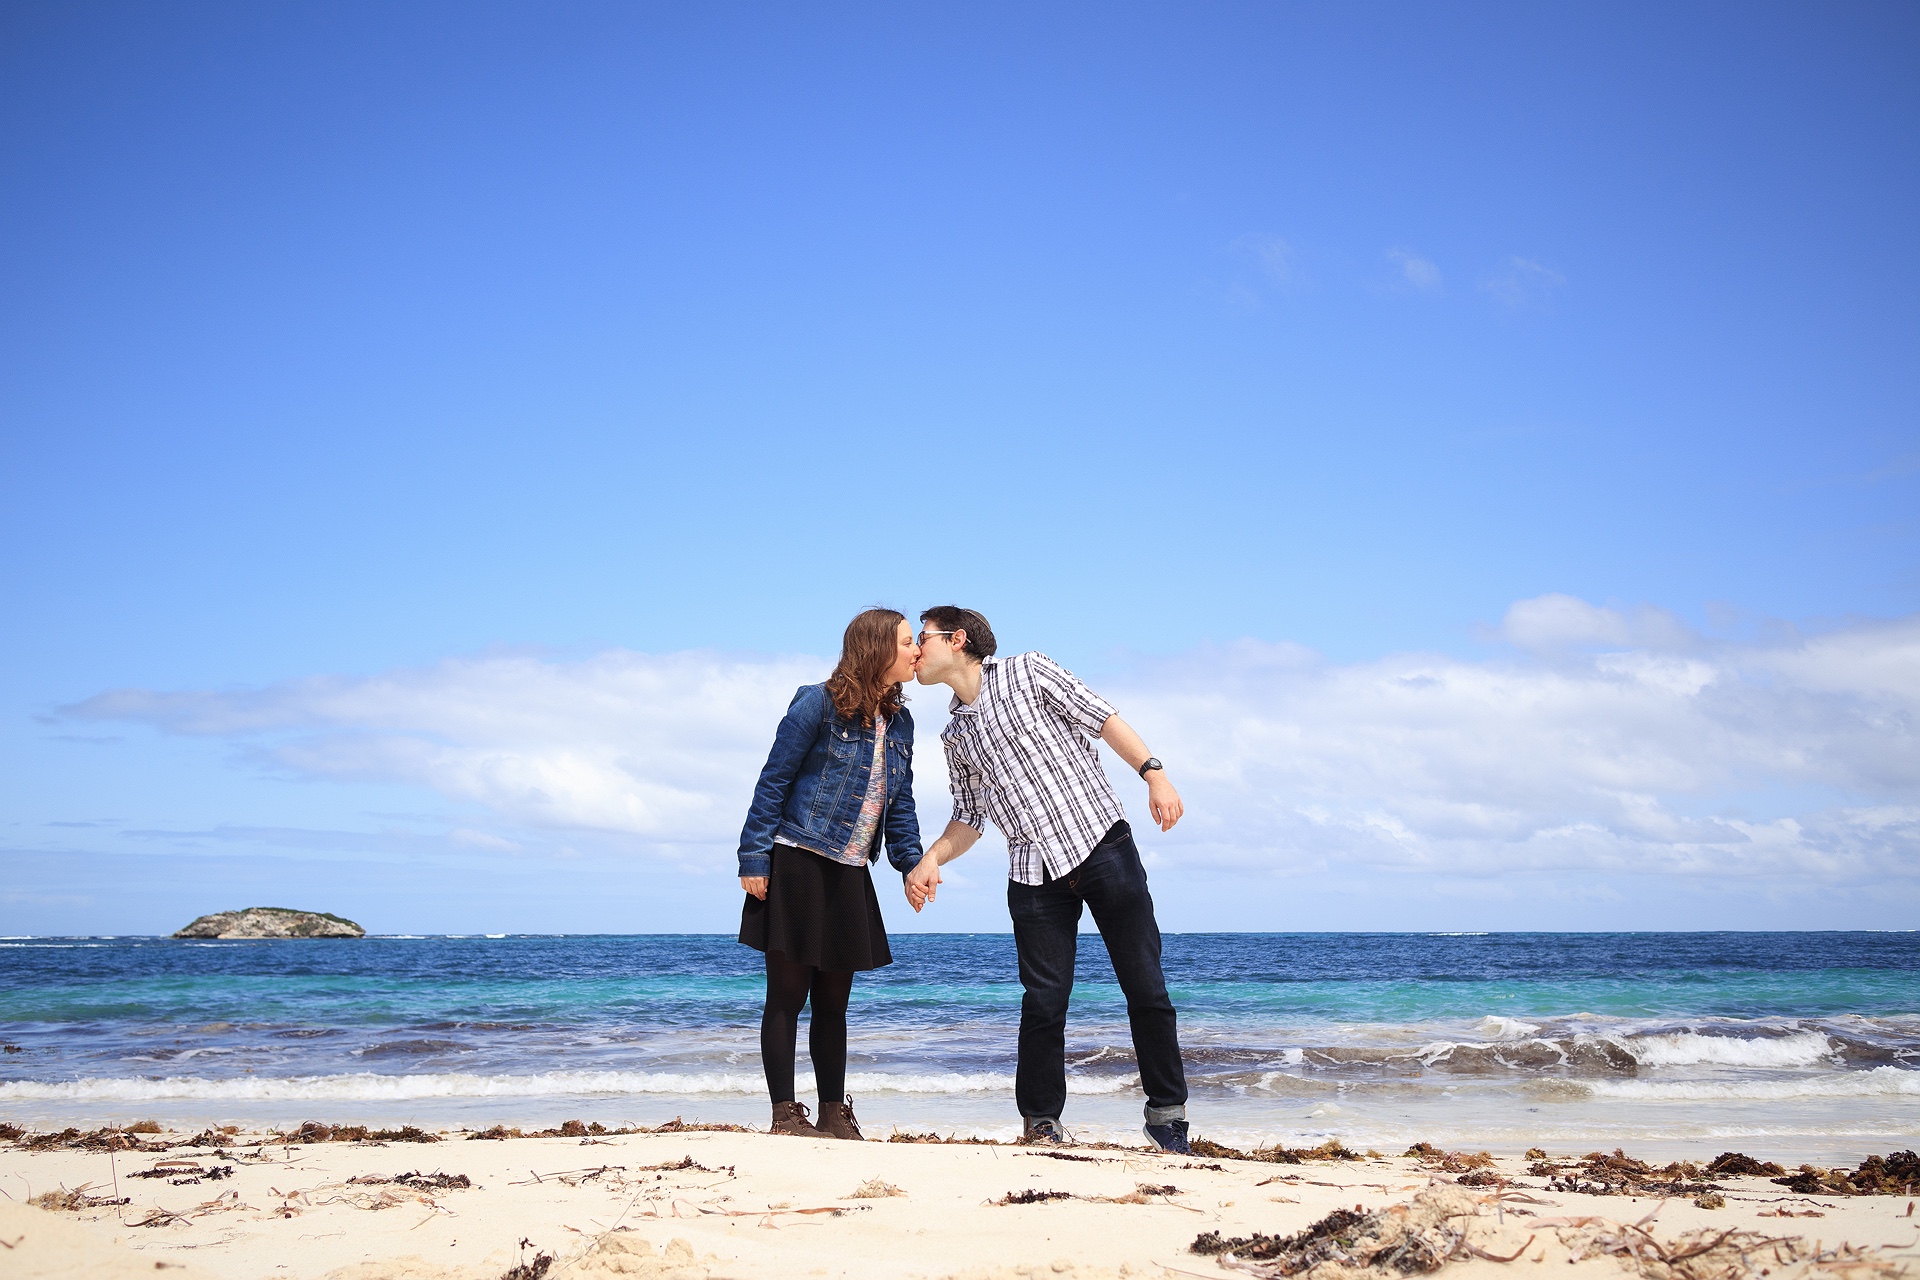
point(702, 1205)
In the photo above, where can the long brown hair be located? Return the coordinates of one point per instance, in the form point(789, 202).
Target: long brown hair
point(866, 651)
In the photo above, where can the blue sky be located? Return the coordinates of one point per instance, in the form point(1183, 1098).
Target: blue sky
point(341, 343)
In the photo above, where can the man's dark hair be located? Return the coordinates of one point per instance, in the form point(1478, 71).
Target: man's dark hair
point(951, 617)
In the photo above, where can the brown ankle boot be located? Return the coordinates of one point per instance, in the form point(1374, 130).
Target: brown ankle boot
point(837, 1121)
point(791, 1118)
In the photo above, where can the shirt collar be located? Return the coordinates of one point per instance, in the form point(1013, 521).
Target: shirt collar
point(955, 707)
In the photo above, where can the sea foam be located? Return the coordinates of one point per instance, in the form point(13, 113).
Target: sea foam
point(367, 1086)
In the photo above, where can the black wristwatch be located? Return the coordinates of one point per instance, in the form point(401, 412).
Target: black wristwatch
point(1151, 764)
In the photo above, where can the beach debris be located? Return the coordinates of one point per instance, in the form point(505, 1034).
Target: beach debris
point(107, 1139)
point(1710, 1200)
point(209, 1137)
point(687, 1163)
point(1332, 1149)
point(1142, 1193)
point(1536, 1153)
point(1473, 1164)
point(1619, 1174)
point(906, 1135)
point(529, 1270)
point(435, 1181)
point(1896, 1174)
point(185, 1173)
point(313, 1131)
point(875, 1189)
point(76, 1199)
point(11, 1133)
point(1736, 1164)
point(1067, 1155)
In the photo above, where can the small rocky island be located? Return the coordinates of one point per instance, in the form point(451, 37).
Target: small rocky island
point(271, 922)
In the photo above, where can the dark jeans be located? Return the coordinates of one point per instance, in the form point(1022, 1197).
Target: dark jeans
point(1046, 926)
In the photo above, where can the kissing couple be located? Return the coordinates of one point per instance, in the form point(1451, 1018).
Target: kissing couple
point(1020, 751)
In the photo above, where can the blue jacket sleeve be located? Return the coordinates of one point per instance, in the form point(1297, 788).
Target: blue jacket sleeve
point(903, 824)
point(791, 743)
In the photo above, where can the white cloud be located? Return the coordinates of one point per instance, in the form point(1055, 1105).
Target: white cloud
point(1522, 282)
point(1605, 741)
point(1415, 270)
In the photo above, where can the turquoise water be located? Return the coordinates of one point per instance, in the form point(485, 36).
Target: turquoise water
point(1810, 1042)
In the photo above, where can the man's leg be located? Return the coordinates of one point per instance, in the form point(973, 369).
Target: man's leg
point(1114, 885)
point(1046, 923)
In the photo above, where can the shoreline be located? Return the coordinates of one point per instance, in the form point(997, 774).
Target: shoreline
point(423, 1205)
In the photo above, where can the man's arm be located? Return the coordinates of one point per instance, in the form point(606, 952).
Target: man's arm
point(924, 880)
point(1163, 802)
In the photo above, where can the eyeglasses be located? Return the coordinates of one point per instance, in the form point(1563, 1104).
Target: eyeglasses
point(925, 634)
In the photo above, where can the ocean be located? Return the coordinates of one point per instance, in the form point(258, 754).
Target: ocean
point(1790, 1046)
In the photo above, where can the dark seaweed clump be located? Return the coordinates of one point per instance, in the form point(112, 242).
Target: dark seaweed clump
point(1340, 1230)
point(1619, 1174)
point(1737, 1164)
point(529, 1270)
point(1033, 1197)
point(1892, 1175)
point(314, 1131)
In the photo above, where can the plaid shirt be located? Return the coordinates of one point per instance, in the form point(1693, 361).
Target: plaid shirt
point(1023, 755)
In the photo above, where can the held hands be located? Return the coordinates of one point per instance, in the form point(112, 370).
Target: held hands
point(923, 881)
point(755, 885)
point(1163, 802)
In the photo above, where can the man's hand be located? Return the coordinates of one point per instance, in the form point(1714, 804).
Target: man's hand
point(755, 885)
point(1163, 802)
point(923, 882)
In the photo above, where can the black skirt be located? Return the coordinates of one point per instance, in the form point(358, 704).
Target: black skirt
point(818, 912)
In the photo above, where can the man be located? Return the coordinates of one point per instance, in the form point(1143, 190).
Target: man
point(1020, 751)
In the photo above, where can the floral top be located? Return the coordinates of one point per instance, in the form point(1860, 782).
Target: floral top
point(867, 825)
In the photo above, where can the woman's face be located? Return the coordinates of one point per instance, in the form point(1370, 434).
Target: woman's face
point(905, 654)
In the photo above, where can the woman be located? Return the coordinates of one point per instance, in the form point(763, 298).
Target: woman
point(838, 780)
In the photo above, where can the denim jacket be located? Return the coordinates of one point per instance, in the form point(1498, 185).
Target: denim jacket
point(815, 779)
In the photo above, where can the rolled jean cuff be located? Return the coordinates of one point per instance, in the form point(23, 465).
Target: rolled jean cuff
point(1165, 1115)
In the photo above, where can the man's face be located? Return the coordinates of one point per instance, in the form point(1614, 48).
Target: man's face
point(939, 654)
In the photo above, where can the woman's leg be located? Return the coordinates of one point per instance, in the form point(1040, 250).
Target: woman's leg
point(827, 1034)
point(787, 983)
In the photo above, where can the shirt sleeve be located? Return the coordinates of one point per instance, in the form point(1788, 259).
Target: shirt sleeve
point(969, 792)
point(1078, 705)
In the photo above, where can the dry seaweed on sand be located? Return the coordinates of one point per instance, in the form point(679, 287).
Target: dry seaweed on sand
point(1475, 1164)
point(417, 1181)
point(108, 1139)
point(313, 1131)
point(1737, 1164)
point(1034, 1196)
point(1895, 1174)
point(906, 1135)
point(1332, 1149)
point(1619, 1174)
point(529, 1270)
point(875, 1189)
point(76, 1199)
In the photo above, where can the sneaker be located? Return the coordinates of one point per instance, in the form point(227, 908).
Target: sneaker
point(1171, 1136)
point(790, 1118)
point(1044, 1131)
point(837, 1121)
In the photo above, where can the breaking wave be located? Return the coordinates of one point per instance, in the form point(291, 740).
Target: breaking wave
point(1880, 1082)
point(367, 1086)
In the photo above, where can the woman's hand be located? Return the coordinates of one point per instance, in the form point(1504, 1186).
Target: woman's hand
point(755, 885)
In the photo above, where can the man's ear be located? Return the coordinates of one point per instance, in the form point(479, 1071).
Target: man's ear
point(958, 642)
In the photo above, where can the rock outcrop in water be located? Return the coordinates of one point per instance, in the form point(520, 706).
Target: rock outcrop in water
point(271, 922)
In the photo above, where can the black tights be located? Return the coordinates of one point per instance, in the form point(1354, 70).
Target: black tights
point(789, 984)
